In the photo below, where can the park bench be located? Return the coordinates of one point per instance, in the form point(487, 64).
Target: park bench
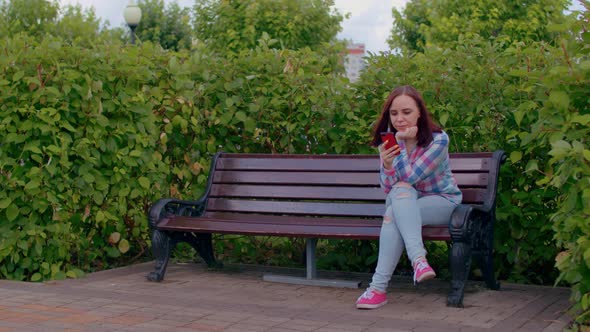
point(323, 196)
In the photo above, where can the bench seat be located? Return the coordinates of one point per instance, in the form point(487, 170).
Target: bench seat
point(290, 226)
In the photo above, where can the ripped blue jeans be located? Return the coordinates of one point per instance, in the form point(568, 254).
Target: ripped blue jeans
point(405, 214)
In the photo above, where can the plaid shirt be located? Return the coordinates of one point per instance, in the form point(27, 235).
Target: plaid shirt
point(426, 169)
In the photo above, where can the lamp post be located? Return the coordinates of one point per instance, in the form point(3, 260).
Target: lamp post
point(132, 15)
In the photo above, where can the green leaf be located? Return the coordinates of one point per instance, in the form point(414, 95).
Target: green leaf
point(5, 202)
point(32, 184)
point(515, 156)
point(102, 121)
point(532, 165)
point(587, 257)
point(144, 182)
point(36, 277)
point(75, 273)
point(443, 119)
point(581, 119)
point(560, 148)
point(518, 115)
point(124, 246)
point(560, 99)
point(33, 148)
point(98, 197)
point(68, 126)
point(226, 118)
point(250, 125)
point(241, 116)
point(587, 154)
point(12, 212)
point(18, 75)
point(99, 216)
point(113, 252)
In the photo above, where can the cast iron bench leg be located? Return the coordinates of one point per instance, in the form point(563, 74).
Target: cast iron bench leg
point(487, 261)
point(460, 264)
point(460, 253)
point(204, 247)
point(162, 244)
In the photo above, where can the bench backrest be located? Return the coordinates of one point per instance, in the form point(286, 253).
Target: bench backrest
point(328, 185)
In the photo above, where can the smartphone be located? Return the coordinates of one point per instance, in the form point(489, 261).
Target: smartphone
point(389, 139)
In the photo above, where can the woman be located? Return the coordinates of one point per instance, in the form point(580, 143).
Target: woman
point(420, 188)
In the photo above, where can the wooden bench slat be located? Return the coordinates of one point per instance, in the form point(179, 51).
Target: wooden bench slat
point(293, 220)
point(298, 192)
point(300, 164)
point(250, 224)
point(318, 178)
point(343, 163)
point(327, 178)
point(470, 196)
point(225, 227)
point(299, 208)
point(473, 196)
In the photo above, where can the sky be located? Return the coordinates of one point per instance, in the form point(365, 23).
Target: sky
point(370, 21)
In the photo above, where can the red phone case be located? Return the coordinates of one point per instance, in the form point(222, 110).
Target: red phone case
point(390, 138)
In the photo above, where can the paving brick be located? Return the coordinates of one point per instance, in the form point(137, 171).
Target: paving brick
point(79, 319)
point(342, 327)
point(29, 318)
point(245, 328)
point(382, 329)
point(130, 319)
point(146, 327)
point(14, 325)
point(204, 326)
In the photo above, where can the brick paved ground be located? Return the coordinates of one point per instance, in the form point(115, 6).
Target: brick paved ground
point(193, 298)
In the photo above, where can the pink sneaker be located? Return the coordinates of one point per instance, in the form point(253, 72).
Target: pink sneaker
point(422, 271)
point(371, 300)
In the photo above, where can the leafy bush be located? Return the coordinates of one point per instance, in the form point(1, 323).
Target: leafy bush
point(564, 124)
point(90, 137)
point(78, 162)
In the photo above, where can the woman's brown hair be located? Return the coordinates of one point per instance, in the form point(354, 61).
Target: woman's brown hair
point(426, 127)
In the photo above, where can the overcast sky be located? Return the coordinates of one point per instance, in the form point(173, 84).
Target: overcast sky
point(370, 21)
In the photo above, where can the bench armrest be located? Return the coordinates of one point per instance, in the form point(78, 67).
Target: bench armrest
point(462, 218)
point(178, 207)
point(459, 222)
point(498, 158)
point(170, 206)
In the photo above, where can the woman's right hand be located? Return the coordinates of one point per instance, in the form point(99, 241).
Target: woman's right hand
point(408, 133)
point(387, 155)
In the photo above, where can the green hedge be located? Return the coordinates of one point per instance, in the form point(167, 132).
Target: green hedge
point(90, 137)
point(78, 156)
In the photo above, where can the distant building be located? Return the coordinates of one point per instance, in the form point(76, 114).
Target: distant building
point(354, 62)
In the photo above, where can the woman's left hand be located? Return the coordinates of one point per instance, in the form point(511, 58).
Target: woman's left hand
point(388, 155)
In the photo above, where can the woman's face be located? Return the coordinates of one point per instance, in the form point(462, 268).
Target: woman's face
point(404, 113)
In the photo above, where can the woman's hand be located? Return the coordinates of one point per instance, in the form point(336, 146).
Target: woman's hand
point(388, 155)
point(408, 134)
